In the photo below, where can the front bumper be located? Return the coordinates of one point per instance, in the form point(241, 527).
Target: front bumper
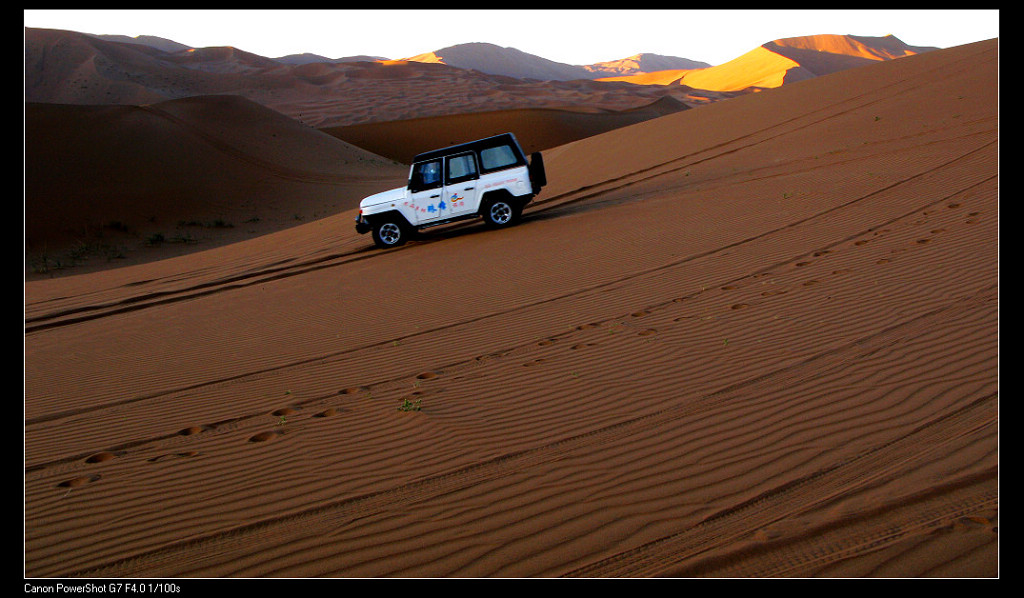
point(362, 226)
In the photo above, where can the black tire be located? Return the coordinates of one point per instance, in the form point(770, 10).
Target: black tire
point(390, 232)
point(538, 176)
point(501, 211)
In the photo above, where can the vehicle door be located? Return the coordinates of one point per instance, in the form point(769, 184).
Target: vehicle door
point(426, 185)
point(461, 189)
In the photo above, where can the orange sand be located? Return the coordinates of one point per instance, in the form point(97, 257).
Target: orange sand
point(754, 339)
point(782, 61)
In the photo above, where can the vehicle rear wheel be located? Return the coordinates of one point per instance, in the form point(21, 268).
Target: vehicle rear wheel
point(389, 233)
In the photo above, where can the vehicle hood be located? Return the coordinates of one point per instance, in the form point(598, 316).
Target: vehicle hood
point(389, 196)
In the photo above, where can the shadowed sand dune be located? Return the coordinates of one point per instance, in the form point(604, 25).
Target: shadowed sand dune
point(537, 128)
point(756, 339)
point(103, 181)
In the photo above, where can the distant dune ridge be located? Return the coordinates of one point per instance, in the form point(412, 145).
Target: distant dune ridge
point(644, 63)
point(510, 62)
point(783, 61)
point(68, 67)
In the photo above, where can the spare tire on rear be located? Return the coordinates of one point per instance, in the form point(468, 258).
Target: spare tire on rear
point(538, 177)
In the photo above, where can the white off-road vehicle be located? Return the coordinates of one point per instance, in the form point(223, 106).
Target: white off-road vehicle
point(489, 178)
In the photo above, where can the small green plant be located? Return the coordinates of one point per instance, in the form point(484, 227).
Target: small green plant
point(408, 405)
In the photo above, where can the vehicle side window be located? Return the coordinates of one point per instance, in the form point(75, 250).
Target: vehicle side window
point(461, 168)
point(494, 158)
point(426, 175)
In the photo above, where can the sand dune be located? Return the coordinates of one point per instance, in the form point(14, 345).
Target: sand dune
point(888, 47)
point(644, 63)
point(755, 339)
point(108, 186)
point(783, 61)
point(510, 62)
point(537, 128)
point(105, 184)
point(61, 67)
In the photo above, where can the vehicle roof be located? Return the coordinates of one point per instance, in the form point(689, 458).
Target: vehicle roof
point(504, 138)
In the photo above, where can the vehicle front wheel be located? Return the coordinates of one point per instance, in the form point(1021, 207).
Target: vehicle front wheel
point(389, 233)
point(500, 212)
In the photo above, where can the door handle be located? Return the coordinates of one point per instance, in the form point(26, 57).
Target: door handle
point(433, 196)
point(468, 189)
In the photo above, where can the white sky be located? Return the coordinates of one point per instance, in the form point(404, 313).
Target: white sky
point(572, 36)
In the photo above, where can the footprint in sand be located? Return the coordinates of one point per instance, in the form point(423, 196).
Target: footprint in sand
point(284, 412)
point(427, 376)
point(266, 436)
point(329, 412)
point(103, 456)
point(79, 481)
point(648, 332)
point(193, 430)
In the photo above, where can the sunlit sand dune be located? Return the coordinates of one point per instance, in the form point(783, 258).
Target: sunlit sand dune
point(783, 61)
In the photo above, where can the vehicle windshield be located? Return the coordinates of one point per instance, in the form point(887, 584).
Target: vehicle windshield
point(426, 175)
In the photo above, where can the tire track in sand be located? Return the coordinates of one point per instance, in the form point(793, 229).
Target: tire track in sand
point(211, 554)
